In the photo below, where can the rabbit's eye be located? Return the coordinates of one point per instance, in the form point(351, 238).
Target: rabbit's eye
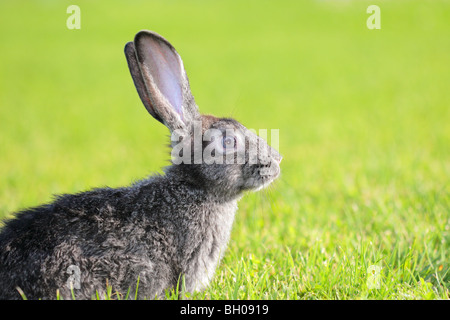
point(229, 142)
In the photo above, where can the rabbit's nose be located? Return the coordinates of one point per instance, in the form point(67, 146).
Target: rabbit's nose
point(278, 157)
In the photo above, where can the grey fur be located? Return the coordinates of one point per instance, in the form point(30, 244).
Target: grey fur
point(157, 230)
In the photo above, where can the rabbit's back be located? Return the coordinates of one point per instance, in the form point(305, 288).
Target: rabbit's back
point(114, 235)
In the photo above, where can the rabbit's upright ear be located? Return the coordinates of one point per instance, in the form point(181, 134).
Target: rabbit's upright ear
point(161, 81)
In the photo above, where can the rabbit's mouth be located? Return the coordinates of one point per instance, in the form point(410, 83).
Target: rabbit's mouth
point(263, 175)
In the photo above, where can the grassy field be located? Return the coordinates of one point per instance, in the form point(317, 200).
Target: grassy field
point(363, 118)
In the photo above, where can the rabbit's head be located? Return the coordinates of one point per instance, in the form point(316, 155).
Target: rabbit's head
point(219, 154)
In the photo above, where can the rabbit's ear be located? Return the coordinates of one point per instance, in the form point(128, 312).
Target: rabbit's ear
point(161, 81)
point(130, 53)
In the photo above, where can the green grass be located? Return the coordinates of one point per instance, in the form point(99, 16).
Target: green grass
point(363, 118)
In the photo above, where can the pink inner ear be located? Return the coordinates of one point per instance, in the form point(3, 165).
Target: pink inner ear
point(166, 72)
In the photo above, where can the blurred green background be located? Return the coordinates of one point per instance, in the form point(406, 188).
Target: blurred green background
point(363, 118)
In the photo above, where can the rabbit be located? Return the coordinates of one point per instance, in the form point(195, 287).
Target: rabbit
point(158, 232)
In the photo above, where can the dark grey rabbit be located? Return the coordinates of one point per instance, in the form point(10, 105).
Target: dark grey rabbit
point(157, 230)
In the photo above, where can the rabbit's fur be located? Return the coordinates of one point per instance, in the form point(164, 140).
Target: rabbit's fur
point(156, 231)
